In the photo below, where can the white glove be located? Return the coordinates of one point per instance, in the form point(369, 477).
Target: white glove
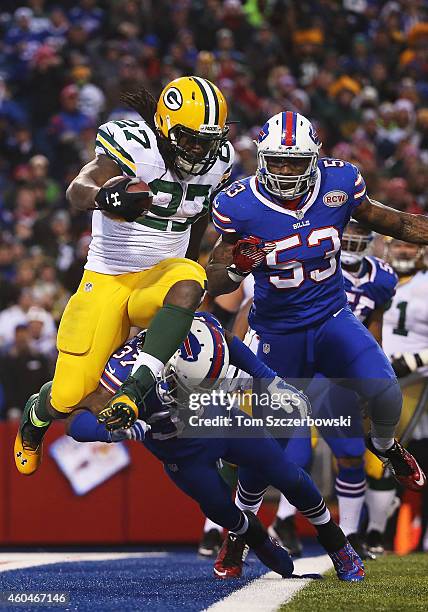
point(137, 432)
point(288, 398)
point(406, 363)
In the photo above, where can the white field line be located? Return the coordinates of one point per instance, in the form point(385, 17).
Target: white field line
point(13, 561)
point(267, 593)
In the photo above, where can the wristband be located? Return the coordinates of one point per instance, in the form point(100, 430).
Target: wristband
point(236, 275)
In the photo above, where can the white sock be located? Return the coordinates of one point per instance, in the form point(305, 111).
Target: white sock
point(349, 513)
point(378, 506)
point(383, 444)
point(285, 509)
point(209, 524)
point(153, 363)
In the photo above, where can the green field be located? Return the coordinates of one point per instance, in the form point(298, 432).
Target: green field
point(392, 583)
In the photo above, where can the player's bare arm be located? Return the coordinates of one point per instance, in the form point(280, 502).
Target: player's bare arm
point(386, 220)
point(83, 190)
point(374, 324)
point(240, 326)
point(196, 234)
point(219, 282)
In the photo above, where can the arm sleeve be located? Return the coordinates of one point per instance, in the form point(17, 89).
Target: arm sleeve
point(244, 359)
point(111, 141)
point(222, 214)
point(360, 191)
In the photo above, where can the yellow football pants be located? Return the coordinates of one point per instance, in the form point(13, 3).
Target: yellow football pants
point(98, 317)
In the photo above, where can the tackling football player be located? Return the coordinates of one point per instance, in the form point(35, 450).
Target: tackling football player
point(285, 226)
point(200, 365)
point(143, 225)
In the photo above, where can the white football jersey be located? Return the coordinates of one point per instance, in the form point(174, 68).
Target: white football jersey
point(405, 324)
point(118, 247)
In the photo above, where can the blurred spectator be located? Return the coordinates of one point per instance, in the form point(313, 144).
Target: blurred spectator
point(66, 127)
point(91, 97)
point(22, 369)
point(42, 332)
point(13, 316)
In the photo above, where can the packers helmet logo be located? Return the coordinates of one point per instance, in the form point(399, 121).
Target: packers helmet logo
point(173, 98)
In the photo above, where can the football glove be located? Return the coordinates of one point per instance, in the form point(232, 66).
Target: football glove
point(137, 432)
point(404, 364)
point(116, 200)
point(248, 254)
point(288, 398)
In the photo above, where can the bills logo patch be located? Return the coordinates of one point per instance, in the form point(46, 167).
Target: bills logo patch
point(334, 199)
point(190, 348)
point(266, 348)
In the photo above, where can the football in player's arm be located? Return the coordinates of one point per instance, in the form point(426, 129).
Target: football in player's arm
point(172, 160)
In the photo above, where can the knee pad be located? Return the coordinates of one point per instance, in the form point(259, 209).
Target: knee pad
point(384, 408)
point(70, 386)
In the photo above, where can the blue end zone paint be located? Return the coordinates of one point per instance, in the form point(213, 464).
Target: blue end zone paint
point(178, 581)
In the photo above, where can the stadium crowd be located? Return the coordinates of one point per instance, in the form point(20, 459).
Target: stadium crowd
point(357, 68)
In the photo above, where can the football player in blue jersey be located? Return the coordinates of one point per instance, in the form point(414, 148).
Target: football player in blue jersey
point(370, 286)
point(200, 364)
point(285, 225)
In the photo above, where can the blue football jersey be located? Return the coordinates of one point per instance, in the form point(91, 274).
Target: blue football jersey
point(301, 283)
point(159, 412)
point(373, 288)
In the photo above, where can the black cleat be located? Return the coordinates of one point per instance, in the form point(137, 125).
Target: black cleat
point(360, 547)
point(284, 531)
point(375, 543)
point(210, 543)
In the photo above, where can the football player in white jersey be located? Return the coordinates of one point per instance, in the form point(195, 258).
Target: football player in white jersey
point(137, 272)
point(405, 341)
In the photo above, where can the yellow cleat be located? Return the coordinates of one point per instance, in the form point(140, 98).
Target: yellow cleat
point(120, 413)
point(27, 459)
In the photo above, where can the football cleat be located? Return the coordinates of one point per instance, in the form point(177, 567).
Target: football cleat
point(267, 549)
point(360, 547)
point(402, 464)
point(284, 531)
point(348, 564)
point(275, 557)
point(231, 557)
point(28, 447)
point(210, 543)
point(121, 412)
point(375, 543)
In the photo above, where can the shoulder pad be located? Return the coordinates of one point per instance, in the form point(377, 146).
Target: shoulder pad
point(127, 142)
point(234, 199)
point(384, 278)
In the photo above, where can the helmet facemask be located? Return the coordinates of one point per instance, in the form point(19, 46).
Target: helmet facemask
point(355, 245)
point(406, 259)
point(173, 391)
point(287, 186)
point(196, 152)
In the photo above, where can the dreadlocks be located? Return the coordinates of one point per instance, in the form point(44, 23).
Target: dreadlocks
point(144, 103)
